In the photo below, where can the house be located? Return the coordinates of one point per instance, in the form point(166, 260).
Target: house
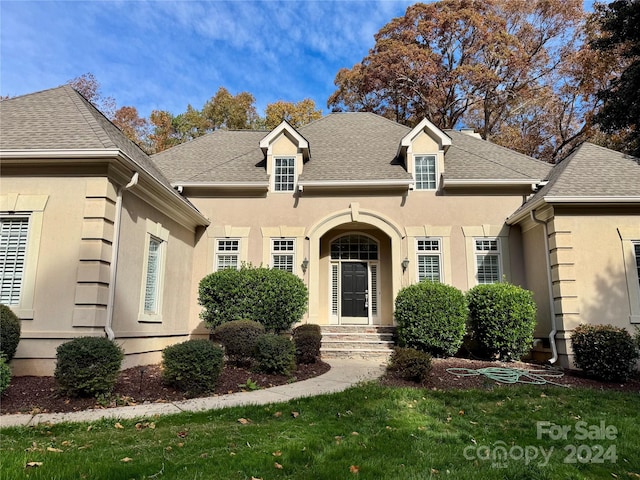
point(115, 242)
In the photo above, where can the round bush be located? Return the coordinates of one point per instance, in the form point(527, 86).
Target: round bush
point(604, 352)
point(410, 364)
point(275, 298)
point(88, 366)
point(5, 375)
point(275, 354)
point(502, 318)
point(308, 340)
point(238, 338)
point(193, 366)
point(9, 332)
point(431, 317)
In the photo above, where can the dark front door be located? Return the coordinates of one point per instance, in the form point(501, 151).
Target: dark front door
point(354, 289)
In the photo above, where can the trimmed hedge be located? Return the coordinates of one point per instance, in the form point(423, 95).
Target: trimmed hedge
point(238, 338)
point(193, 366)
point(308, 340)
point(502, 318)
point(431, 317)
point(88, 366)
point(275, 354)
point(410, 364)
point(9, 332)
point(275, 298)
point(5, 375)
point(604, 352)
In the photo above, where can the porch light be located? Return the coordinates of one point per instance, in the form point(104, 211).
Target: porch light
point(305, 265)
point(405, 264)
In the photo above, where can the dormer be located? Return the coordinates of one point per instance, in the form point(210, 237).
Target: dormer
point(422, 150)
point(285, 152)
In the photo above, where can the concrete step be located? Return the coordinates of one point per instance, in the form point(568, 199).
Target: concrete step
point(357, 329)
point(358, 344)
point(369, 337)
point(357, 341)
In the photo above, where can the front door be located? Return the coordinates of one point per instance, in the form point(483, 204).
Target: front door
point(355, 293)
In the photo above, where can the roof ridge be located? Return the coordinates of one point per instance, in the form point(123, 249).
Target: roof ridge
point(219, 164)
point(218, 131)
point(18, 97)
point(91, 121)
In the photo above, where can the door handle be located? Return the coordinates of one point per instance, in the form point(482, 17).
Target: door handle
point(366, 299)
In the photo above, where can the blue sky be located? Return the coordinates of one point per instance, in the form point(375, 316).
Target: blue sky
point(166, 54)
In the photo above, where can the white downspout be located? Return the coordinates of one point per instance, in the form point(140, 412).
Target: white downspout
point(115, 248)
point(552, 334)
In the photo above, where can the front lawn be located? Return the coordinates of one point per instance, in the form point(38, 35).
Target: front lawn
point(366, 432)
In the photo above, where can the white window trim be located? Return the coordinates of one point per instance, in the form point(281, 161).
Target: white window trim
point(429, 253)
point(487, 253)
point(435, 168)
point(630, 236)
point(159, 233)
point(219, 252)
point(295, 173)
point(291, 253)
point(18, 205)
point(488, 232)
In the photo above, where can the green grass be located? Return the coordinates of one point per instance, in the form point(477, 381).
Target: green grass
point(386, 433)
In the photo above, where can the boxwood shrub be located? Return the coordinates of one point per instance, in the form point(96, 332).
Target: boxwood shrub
point(604, 352)
point(275, 354)
point(9, 332)
point(193, 366)
point(431, 317)
point(502, 318)
point(88, 366)
point(5, 375)
point(410, 364)
point(275, 298)
point(308, 340)
point(238, 338)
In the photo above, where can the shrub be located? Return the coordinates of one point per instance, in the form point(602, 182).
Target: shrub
point(9, 332)
point(274, 354)
point(410, 364)
point(238, 338)
point(502, 318)
point(275, 298)
point(431, 317)
point(604, 351)
point(307, 339)
point(5, 375)
point(88, 366)
point(193, 366)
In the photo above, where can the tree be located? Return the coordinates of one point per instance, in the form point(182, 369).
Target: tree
point(136, 128)
point(89, 87)
point(297, 114)
point(620, 113)
point(493, 65)
point(163, 135)
point(234, 112)
point(190, 124)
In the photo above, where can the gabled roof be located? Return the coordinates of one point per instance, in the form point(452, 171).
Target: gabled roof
point(591, 174)
point(426, 126)
point(60, 124)
point(474, 159)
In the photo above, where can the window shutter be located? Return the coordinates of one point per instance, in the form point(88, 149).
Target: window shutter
point(13, 246)
point(153, 268)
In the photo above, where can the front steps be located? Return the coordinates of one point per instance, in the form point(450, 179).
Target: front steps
point(365, 341)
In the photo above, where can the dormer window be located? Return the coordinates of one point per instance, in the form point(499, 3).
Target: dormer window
point(284, 174)
point(425, 167)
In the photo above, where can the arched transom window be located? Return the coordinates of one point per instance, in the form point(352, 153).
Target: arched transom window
point(354, 247)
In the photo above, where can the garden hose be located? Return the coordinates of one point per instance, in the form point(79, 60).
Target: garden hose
point(511, 375)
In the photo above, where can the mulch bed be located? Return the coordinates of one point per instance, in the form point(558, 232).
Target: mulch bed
point(441, 379)
point(144, 385)
point(135, 386)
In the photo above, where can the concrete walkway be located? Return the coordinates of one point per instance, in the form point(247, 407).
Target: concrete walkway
point(343, 374)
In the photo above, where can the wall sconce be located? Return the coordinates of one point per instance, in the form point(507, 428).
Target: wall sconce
point(405, 264)
point(305, 265)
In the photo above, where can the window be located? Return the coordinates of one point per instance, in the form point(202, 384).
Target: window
point(284, 174)
point(425, 172)
point(429, 259)
point(153, 276)
point(282, 254)
point(487, 253)
point(13, 246)
point(636, 247)
point(227, 253)
point(354, 247)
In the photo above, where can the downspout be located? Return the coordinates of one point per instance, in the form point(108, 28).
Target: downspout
point(115, 248)
point(552, 311)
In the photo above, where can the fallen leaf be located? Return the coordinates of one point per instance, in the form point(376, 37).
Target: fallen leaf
point(66, 443)
point(55, 450)
point(461, 412)
point(152, 425)
point(542, 395)
point(277, 453)
point(89, 428)
point(355, 433)
point(434, 471)
point(354, 469)
point(277, 414)
point(633, 475)
point(244, 421)
point(180, 445)
point(204, 455)
point(118, 425)
point(295, 414)
point(255, 478)
point(473, 423)
point(277, 465)
point(126, 459)
point(182, 434)
point(338, 439)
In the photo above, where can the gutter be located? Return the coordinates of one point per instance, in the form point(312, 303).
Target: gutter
point(356, 183)
point(552, 310)
point(115, 248)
